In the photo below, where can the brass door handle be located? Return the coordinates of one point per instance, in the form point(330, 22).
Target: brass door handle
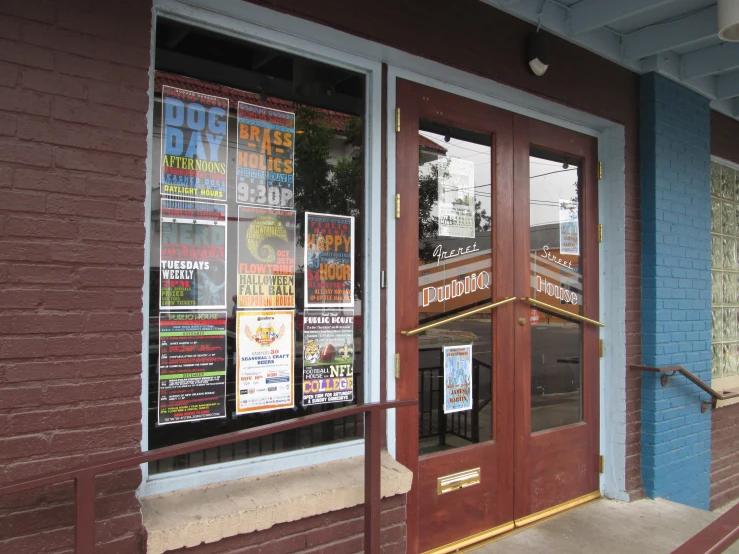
point(456, 317)
point(565, 313)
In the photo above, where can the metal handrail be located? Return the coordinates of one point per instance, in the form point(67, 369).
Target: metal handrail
point(716, 537)
point(560, 311)
point(473, 311)
point(84, 476)
point(673, 369)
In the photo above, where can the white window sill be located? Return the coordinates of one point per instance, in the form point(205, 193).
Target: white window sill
point(726, 384)
point(208, 514)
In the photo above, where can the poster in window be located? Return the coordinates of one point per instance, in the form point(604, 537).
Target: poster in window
point(264, 343)
point(456, 197)
point(264, 156)
point(329, 261)
point(328, 357)
point(266, 258)
point(192, 366)
point(457, 378)
point(193, 255)
point(194, 145)
point(569, 228)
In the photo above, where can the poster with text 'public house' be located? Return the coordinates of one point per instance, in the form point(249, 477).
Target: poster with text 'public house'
point(329, 261)
point(192, 366)
point(266, 259)
point(194, 145)
point(193, 255)
point(328, 356)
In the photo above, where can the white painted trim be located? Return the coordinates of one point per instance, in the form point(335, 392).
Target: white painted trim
point(722, 161)
point(248, 22)
point(390, 263)
point(240, 469)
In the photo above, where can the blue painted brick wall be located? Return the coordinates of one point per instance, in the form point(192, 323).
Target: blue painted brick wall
point(676, 288)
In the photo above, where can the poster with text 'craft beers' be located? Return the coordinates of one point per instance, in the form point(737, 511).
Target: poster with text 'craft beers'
point(194, 159)
point(266, 258)
point(264, 372)
point(329, 261)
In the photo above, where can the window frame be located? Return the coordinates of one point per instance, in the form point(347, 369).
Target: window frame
point(250, 23)
point(730, 382)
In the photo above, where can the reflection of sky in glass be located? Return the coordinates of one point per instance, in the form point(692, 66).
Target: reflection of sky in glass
point(549, 184)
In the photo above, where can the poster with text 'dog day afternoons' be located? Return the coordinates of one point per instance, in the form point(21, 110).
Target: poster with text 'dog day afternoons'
point(328, 356)
point(194, 145)
point(264, 156)
point(266, 258)
point(264, 373)
point(193, 255)
point(457, 378)
point(192, 366)
point(329, 261)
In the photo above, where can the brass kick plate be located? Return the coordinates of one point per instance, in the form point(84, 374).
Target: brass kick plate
point(457, 481)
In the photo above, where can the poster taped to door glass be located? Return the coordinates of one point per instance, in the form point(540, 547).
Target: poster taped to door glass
point(569, 228)
point(264, 343)
point(457, 378)
point(329, 261)
point(264, 156)
point(328, 357)
point(194, 145)
point(266, 265)
point(193, 255)
point(192, 366)
point(456, 197)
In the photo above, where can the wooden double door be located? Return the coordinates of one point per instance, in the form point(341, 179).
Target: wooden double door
point(496, 317)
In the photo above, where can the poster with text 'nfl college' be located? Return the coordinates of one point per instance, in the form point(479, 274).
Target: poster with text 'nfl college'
point(328, 356)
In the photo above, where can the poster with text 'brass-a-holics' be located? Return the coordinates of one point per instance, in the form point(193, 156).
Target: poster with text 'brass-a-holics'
point(193, 255)
point(194, 145)
point(192, 366)
point(264, 372)
point(266, 258)
point(329, 261)
point(264, 156)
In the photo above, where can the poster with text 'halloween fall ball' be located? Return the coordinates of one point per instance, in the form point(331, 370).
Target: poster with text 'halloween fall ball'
point(194, 145)
point(266, 259)
point(193, 255)
point(329, 261)
point(328, 356)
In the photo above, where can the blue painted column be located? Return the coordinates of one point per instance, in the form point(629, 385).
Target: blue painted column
point(676, 288)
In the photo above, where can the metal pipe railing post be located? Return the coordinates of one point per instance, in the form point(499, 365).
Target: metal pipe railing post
point(84, 525)
point(372, 472)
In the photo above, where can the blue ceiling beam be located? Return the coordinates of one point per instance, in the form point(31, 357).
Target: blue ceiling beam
point(588, 15)
point(710, 61)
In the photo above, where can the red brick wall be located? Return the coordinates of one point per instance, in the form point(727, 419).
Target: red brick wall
point(477, 38)
point(724, 421)
point(73, 102)
point(340, 532)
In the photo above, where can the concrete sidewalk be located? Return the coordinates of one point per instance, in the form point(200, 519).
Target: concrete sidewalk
point(644, 526)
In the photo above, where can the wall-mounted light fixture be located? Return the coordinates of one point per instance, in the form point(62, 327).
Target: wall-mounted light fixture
point(538, 53)
point(728, 20)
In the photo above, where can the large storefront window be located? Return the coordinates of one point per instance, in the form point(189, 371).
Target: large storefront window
point(257, 219)
point(725, 270)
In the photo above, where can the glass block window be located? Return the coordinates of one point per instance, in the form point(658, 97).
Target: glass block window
point(725, 270)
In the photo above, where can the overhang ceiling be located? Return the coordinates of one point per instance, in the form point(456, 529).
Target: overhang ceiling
point(677, 38)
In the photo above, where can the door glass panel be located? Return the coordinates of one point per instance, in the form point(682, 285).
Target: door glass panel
point(556, 279)
point(454, 275)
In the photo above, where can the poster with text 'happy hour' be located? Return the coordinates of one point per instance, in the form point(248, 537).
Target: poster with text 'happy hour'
point(194, 145)
point(193, 255)
point(266, 258)
point(192, 366)
point(328, 356)
point(329, 260)
point(264, 373)
point(264, 156)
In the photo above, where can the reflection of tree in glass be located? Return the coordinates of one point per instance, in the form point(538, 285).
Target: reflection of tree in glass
point(326, 186)
point(428, 223)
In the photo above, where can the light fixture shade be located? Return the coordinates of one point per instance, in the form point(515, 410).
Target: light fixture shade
point(728, 20)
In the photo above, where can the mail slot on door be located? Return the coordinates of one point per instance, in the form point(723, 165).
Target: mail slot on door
point(455, 481)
